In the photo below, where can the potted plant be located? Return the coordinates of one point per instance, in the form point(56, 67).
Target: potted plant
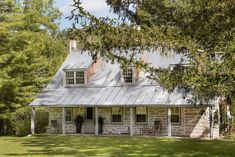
point(101, 122)
point(78, 121)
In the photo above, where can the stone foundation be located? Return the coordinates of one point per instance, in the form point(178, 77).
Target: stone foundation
point(194, 121)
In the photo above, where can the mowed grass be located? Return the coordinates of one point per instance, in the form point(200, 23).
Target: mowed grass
point(56, 145)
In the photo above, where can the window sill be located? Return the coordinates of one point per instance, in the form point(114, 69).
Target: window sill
point(116, 123)
point(75, 85)
point(68, 122)
point(141, 123)
point(176, 124)
point(128, 84)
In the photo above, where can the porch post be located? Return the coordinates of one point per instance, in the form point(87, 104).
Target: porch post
point(131, 120)
point(96, 121)
point(63, 121)
point(211, 121)
point(33, 121)
point(169, 121)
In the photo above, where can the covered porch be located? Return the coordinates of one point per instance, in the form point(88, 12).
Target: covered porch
point(133, 120)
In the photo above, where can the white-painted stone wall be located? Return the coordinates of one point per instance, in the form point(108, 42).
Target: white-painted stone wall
point(194, 122)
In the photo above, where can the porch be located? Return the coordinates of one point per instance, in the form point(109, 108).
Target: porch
point(174, 121)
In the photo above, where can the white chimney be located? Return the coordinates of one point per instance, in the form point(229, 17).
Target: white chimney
point(72, 45)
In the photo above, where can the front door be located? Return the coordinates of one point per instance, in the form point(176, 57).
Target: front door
point(89, 125)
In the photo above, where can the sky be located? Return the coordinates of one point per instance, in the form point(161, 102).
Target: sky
point(96, 7)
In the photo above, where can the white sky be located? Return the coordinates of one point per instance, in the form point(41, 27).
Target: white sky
point(96, 7)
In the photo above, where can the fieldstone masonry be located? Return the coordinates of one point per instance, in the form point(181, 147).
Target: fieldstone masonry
point(56, 115)
point(194, 121)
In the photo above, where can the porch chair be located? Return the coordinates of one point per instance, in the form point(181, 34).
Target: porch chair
point(54, 126)
point(157, 127)
point(144, 130)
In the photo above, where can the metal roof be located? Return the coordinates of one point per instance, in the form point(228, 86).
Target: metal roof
point(149, 95)
point(106, 87)
point(80, 60)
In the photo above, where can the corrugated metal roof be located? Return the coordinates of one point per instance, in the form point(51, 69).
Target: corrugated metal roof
point(106, 88)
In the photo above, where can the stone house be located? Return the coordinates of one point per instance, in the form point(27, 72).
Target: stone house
point(126, 100)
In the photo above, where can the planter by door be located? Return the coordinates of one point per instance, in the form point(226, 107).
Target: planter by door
point(78, 121)
point(101, 122)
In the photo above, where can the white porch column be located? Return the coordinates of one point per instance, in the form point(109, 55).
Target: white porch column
point(169, 121)
point(96, 121)
point(63, 121)
point(131, 121)
point(33, 121)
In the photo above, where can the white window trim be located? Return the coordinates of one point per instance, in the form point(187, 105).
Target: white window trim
point(116, 123)
point(133, 75)
point(72, 85)
point(70, 108)
point(142, 123)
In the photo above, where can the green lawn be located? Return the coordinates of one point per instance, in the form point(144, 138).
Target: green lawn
point(113, 146)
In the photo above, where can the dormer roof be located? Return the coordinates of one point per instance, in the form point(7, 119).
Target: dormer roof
point(77, 60)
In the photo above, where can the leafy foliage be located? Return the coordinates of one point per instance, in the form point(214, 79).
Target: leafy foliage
point(202, 31)
point(30, 50)
point(20, 121)
point(41, 120)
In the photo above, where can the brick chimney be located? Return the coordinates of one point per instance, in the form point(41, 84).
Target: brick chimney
point(72, 45)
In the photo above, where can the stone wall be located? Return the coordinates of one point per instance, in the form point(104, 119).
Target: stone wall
point(197, 122)
point(55, 113)
point(194, 121)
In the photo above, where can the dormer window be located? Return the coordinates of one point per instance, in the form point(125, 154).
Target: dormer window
point(75, 77)
point(80, 77)
point(128, 75)
point(69, 77)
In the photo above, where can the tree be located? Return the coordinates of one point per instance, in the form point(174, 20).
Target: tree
point(203, 31)
point(30, 50)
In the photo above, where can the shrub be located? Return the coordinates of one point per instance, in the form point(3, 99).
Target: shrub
point(41, 120)
point(21, 121)
point(5, 125)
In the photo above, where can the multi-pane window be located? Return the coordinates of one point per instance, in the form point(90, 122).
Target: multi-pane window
point(68, 114)
point(128, 75)
point(175, 115)
point(116, 114)
point(80, 77)
point(141, 114)
point(74, 77)
point(69, 77)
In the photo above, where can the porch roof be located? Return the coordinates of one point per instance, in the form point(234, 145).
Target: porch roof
point(146, 95)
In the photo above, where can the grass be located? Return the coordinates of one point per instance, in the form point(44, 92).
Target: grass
point(55, 145)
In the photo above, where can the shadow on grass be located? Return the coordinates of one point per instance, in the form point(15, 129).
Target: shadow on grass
point(122, 146)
